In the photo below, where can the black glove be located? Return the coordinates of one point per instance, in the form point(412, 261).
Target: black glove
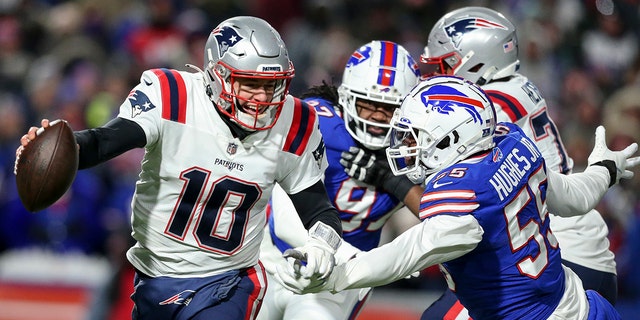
point(364, 166)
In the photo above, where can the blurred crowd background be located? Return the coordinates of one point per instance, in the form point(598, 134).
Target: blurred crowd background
point(77, 60)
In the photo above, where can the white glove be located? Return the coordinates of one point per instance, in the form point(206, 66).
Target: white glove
point(294, 282)
point(318, 253)
point(616, 161)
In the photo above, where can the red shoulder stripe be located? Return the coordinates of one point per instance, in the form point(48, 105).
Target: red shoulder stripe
point(508, 103)
point(174, 95)
point(301, 127)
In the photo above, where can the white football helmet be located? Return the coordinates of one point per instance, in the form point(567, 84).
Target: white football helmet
point(246, 47)
point(443, 120)
point(379, 71)
point(478, 43)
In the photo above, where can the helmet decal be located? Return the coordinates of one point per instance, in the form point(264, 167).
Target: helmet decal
point(359, 56)
point(458, 28)
point(444, 103)
point(414, 66)
point(226, 37)
point(509, 46)
point(388, 58)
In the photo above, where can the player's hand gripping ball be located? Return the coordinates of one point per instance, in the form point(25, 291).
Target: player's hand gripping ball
point(46, 166)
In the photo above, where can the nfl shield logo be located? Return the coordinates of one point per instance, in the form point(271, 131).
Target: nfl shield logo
point(232, 148)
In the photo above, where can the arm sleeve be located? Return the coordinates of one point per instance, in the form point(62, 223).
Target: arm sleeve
point(286, 222)
point(312, 205)
point(577, 193)
point(435, 240)
point(101, 144)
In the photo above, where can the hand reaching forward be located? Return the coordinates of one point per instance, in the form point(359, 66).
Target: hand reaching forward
point(316, 258)
point(618, 162)
point(289, 276)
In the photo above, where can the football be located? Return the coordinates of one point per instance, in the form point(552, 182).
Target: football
point(47, 166)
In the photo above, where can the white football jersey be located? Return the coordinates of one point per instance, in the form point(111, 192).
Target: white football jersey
point(583, 239)
point(199, 205)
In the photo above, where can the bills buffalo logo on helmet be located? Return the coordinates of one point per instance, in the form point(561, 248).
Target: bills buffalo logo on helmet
point(359, 56)
point(445, 102)
point(139, 103)
point(457, 29)
point(226, 37)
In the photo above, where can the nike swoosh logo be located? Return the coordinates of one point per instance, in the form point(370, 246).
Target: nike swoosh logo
point(438, 185)
point(147, 82)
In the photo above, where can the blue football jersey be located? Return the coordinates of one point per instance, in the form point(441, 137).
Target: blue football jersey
point(516, 269)
point(363, 208)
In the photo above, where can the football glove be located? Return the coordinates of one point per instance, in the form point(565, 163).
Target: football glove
point(316, 257)
point(617, 162)
point(364, 166)
point(298, 284)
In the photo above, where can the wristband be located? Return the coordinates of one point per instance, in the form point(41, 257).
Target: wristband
point(325, 233)
point(611, 166)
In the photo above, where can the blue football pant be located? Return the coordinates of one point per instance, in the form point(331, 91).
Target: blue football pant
point(230, 296)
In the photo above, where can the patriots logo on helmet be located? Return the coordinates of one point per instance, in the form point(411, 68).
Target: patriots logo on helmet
point(447, 98)
point(139, 103)
point(457, 29)
point(226, 37)
point(183, 297)
point(359, 56)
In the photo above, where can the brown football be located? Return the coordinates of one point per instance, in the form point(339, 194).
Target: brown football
point(47, 166)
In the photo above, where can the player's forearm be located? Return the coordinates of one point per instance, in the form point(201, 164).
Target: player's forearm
point(431, 242)
point(313, 205)
point(412, 199)
point(578, 193)
point(101, 144)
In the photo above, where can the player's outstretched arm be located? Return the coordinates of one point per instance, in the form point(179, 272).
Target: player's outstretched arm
point(578, 193)
point(435, 240)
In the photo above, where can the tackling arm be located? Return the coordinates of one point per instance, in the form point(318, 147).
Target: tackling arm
point(435, 240)
point(579, 193)
point(576, 194)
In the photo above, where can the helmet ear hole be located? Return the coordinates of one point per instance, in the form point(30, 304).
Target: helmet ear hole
point(476, 68)
point(445, 143)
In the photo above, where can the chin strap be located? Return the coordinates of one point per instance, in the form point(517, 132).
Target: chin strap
point(487, 76)
point(208, 89)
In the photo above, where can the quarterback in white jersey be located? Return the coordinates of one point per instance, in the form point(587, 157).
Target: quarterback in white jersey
point(480, 45)
point(216, 143)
